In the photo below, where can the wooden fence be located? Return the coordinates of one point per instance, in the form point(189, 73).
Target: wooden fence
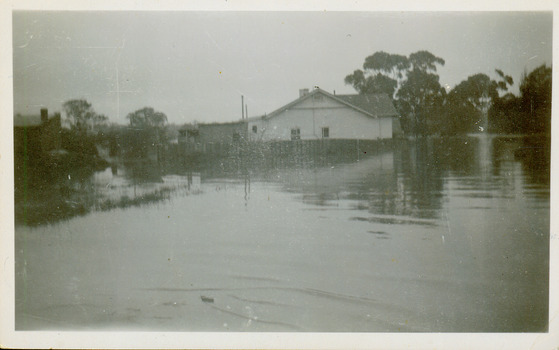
point(240, 156)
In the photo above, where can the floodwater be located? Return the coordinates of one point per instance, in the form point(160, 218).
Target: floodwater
point(446, 236)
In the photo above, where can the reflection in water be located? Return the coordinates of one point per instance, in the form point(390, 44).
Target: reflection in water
point(82, 191)
point(247, 188)
point(435, 235)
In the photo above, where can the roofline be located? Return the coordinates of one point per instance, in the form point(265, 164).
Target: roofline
point(259, 117)
point(359, 109)
point(240, 121)
point(31, 121)
point(312, 93)
point(349, 104)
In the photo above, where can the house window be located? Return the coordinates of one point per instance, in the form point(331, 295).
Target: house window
point(295, 134)
point(254, 129)
point(325, 132)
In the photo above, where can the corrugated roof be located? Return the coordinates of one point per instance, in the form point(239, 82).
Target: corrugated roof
point(377, 104)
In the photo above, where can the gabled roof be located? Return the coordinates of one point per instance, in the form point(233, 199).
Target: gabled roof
point(377, 105)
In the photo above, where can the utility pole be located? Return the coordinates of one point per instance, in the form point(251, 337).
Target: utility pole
point(242, 107)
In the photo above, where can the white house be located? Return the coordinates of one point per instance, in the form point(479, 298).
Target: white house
point(319, 114)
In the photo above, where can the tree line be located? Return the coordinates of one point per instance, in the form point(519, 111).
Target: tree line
point(477, 104)
point(145, 133)
point(37, 168)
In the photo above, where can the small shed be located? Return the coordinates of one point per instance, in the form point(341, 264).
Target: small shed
point(37, 133)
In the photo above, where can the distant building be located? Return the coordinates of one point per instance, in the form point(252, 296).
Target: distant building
point(216, 138)
point(222, 132)
point(321, 115)
point(213, 133)
point(36, 134)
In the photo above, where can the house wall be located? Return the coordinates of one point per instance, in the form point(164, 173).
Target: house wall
point(27, 141)
point(311, 115)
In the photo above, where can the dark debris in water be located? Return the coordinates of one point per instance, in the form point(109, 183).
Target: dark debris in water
point(378, 232)
point(206, 299)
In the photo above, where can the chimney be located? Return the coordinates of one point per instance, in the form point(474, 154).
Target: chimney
point(44, 115)
point(303, 92)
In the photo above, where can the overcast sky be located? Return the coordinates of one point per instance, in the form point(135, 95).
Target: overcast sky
point(196, 65)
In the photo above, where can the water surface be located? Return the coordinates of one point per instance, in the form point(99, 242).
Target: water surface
point(439, 236)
